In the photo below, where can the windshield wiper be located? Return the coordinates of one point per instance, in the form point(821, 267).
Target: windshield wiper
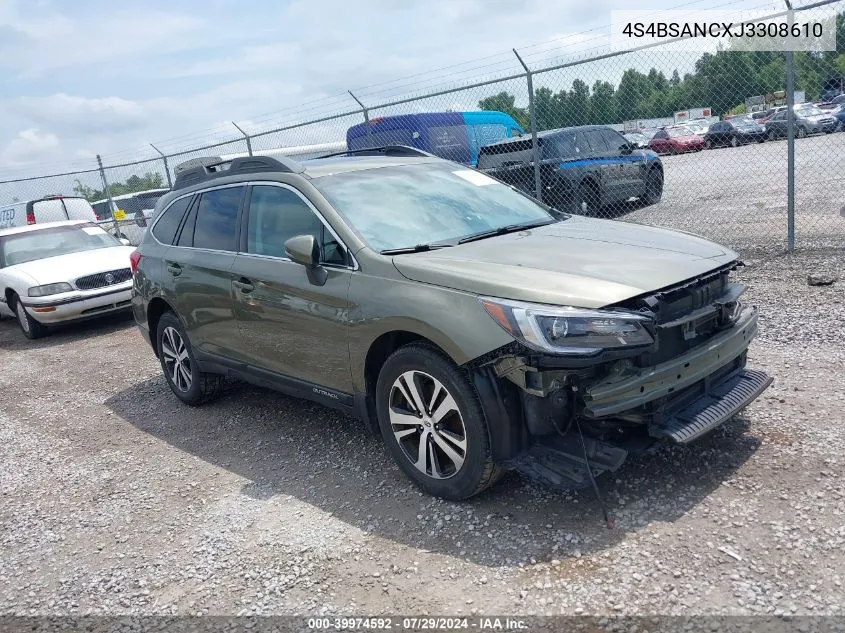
point(503, 230)
point(419, 248)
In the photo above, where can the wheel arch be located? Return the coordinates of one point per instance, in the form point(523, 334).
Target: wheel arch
point(498, 399)
point(155, 309)
point(8, 293)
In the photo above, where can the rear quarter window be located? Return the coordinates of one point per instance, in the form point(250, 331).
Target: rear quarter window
point(168, 223)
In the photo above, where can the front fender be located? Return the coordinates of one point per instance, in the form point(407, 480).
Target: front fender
point(453, 320)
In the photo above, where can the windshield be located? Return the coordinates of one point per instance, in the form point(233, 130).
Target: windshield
point(18, 248)
point(675, 132)
point(402, 206)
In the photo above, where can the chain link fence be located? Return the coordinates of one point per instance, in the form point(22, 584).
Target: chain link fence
point(718, 122)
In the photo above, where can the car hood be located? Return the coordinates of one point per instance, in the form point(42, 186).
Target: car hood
point(68, 267)
point(579, 262)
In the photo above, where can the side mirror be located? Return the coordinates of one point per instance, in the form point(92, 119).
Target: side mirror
point(125, 242)
point(304, 250)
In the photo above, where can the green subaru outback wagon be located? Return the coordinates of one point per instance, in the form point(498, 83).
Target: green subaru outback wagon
point(472, 327)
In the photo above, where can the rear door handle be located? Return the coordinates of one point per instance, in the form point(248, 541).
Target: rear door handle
point(244, 285)
point(174, 269)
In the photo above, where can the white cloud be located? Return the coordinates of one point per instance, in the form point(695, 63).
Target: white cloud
point(83, 115)
point(47, 43)
point(250, 58)
point(30, 146)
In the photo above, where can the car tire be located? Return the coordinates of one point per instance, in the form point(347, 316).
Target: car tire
point(800, 132)
point(708, 144)
point(433, 424)
point(772, 136)
point(653, 187)
point(179, 364)
point(31, 328)
point(734, 141)
point(587, 195)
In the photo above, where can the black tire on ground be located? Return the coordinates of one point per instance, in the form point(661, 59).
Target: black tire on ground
point(708, 144)
point(800, 132)
point(653, 187)
point(192, 387)
point(31, 328)
point(734, 141)
point(771, 135)
point(589, 195)
point(477, 470)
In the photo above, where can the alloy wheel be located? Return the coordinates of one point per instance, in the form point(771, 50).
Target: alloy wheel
point(177, 363)
point(427, 424)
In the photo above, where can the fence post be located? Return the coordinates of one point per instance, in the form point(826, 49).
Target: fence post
point(365, 111)
point(246, 136)
point(108, 195)
point(166, 166)
point(790, 140)
point(535, 152)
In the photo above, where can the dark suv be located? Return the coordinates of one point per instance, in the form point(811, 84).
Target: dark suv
point(474, 328)
point(582, 169)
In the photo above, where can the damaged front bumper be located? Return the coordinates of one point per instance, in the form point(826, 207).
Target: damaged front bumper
point(699, 390)
point(575, 418)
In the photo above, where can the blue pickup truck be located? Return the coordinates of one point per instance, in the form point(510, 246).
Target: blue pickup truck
point(456, 136)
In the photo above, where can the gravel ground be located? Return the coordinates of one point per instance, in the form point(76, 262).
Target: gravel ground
point(738, 195)
point(116, 499)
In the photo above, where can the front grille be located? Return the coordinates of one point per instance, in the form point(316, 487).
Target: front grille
point(676, 302)
point(105, 279)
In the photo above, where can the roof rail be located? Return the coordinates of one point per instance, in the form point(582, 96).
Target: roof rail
point(384, 150)
point(197, 170)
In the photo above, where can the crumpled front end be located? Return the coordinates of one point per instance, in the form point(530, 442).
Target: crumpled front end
point(567, 414)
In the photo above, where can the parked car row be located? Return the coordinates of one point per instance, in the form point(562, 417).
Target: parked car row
point(742, 130)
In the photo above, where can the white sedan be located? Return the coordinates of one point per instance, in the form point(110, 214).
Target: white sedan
point(62, 271)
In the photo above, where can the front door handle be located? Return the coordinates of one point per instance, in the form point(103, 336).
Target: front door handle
point(174, 269)
point(244, 285)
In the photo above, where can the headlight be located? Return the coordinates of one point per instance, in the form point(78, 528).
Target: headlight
point(49, 289)
point(571, 331)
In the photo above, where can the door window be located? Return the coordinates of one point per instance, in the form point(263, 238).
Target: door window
point(277, 214)
point(597, 142)
point(217, 219)
point(613, 140)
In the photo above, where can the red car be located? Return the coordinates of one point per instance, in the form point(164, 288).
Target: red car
point(676, 140)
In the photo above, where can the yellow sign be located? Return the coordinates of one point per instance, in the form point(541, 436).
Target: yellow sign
point(120, 214)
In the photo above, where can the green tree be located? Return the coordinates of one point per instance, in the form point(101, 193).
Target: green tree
point(602, 107)
point(676, 78)
point(506, 102)
point(579, 104)
point(546, 107)
point(150, 180)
